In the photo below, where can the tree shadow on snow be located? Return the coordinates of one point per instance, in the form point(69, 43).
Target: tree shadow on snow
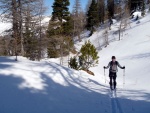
point(55, 98)
point(7, 59)
point(137, 56)
point(58, 98)
point(131, 103)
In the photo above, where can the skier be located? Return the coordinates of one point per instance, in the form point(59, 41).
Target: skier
point(110, 23)
point(112, 71)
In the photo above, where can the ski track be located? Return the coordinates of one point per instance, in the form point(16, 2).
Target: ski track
point(115, 104)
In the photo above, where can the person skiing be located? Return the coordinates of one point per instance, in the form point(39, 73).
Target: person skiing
point(112, 65)
point(110, 23)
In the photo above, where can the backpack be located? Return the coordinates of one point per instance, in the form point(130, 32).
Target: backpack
point(113, 67)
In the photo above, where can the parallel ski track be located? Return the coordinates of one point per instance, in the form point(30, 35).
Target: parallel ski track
point(115, 104)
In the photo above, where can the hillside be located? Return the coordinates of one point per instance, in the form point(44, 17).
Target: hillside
point(131, 51)
point(42, 87)
point(6, 25)
point(46, 87)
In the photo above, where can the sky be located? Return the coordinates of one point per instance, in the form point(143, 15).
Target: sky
point(49, 4)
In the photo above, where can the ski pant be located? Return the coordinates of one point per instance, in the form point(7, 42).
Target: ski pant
point(112, 76)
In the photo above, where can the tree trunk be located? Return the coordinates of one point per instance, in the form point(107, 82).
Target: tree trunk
point(21, 27)
point(15, 25)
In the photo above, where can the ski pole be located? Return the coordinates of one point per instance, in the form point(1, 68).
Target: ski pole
point(124, 77)
point(104, 75)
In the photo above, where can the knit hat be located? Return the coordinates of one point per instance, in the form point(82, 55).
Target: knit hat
point(113, 57)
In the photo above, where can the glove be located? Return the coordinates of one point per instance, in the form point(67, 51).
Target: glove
point(123, 67)
point(104, 67)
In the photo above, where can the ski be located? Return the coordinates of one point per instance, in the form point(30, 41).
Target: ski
point(112, 93)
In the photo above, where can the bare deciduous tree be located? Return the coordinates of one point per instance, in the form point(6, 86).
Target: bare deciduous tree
point(105, 34)
point(78, 19)
point(124, 18)
point(24, 15)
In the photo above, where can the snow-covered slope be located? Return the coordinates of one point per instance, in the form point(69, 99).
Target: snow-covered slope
point(133, 51)
point(46, 87)
point(4, 26)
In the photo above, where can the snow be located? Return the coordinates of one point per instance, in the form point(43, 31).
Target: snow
point(137, 13)
point(37, 87)
point(7, 25)
point(45, 20)
point(47, 87)
point(4, 26)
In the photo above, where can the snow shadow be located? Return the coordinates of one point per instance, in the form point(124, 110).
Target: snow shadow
point(137, 56)
point(4, 62)
point(7, 59)
point(54, 98)
point(78, 96)
point(4, 66)
point(138, 23)
point(148, 41)
point(128, 104)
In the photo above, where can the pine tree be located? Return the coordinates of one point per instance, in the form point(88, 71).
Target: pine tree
point(143, 8)
point(60, 29)
point(53, 34)
point(30, 43)
point(89, 55)
point(68, 26)
point(110, 7)
point(92, 17)
point(73, 63)
point(88, 5)
point(101, 10)
point(60, 10)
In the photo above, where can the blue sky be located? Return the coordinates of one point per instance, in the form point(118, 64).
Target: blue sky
point(49, 4)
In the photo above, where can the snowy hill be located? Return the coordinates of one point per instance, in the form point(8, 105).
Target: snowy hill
point(5, 25)
point(46, 87)
point(43, 87)
point(132, 51)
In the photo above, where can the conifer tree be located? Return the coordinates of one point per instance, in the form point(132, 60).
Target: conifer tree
point(73, 63)
point(101, 10)
point(89, 55)
point(92, 17)
point(60, 9)
point(60, 29)
point(88, 5)
point(30, 43)
point(143, 8)
point(110, 7)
